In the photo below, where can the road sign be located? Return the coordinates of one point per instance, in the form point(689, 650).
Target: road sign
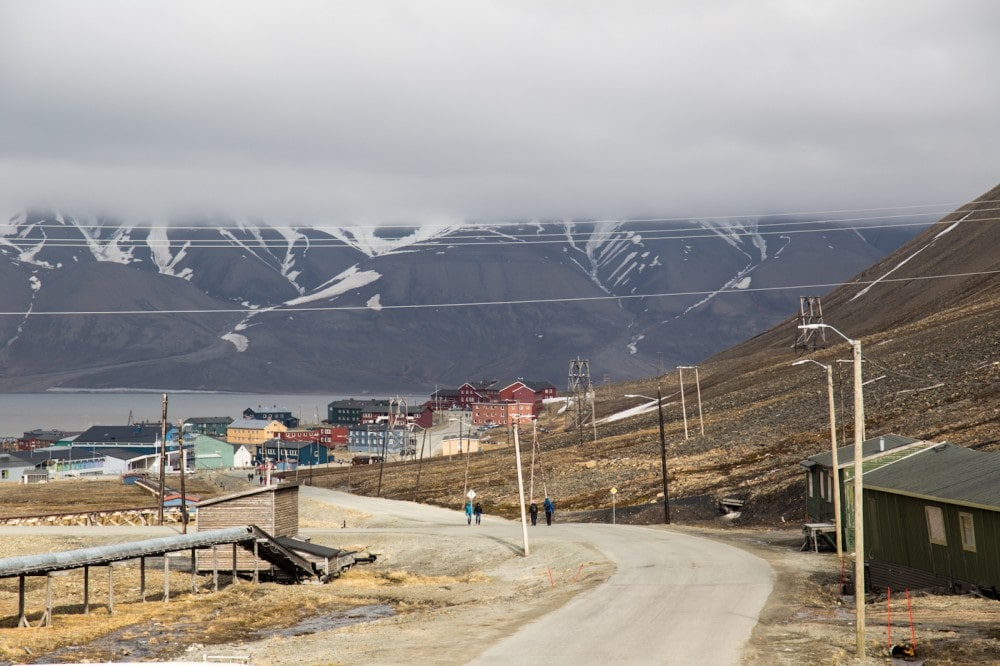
point(614, 491)
point(471, 494)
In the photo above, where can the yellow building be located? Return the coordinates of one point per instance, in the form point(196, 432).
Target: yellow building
point(253, 431)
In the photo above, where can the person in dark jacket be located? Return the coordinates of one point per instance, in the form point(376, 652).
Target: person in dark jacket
point(533, 510)
point(479, 513)
point(550, 508)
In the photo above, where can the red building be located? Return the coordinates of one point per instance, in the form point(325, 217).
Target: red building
point(500, 413)
point(542, 390)
point(470, 393)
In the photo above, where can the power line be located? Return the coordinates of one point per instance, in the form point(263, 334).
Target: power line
point(468, 231)
point(540, 301)
point(946, 207)
point(492, 238)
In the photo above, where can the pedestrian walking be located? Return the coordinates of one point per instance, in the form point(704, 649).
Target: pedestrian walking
point(479, 513)
point(533, 510)
point(550, 508)
point(468, 512)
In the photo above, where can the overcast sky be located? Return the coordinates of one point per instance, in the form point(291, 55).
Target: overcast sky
point(371, 111)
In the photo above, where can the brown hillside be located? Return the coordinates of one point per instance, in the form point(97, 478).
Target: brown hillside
point(932, 356)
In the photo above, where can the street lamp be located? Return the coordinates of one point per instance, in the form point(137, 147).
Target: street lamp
point(520, 480)
point(859, 438)
point(663, 451)
point(697, 383)
point(833, 450)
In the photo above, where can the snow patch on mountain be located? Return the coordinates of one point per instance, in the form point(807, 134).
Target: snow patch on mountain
point(166, 262)
point(110, 244)
point(368, 240)
point(239, 341)
point(737, 233)
point(349, 279)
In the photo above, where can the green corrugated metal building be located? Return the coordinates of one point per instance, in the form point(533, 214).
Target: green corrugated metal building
point(932, 519)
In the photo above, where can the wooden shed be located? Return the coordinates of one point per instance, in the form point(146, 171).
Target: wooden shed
point(932, 519)
point(274, 509)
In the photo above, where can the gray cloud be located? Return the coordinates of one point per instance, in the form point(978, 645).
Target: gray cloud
point(386, 110)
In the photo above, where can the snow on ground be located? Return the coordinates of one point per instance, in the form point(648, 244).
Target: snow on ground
point(239, 341)
point(352, 278)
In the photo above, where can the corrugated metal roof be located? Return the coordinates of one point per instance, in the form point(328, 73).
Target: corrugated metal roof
point(946, 472)
point(870, 447)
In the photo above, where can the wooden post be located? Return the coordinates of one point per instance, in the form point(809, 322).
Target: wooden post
point(142, 579)
point(111, 590)
point(22, 619)
point(194, 572)
point(86, 590)
point(46, 620)
point(215, 568)
point(256, 563)
point(163, 454)
point(235, 580)
point(166, 578)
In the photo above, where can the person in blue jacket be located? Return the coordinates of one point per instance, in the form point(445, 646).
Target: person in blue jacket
point(550, 508)
point(468, 511)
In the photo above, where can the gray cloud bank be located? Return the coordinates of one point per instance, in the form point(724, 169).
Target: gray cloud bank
point(429, 110)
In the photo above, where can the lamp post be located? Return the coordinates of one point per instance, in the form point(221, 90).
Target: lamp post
point(520, 482)
point(663, 452)
point(833, 451)
point(697, 384)
point(859, 532)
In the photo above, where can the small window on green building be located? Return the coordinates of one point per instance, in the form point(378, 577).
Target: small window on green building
point(968, 531)
point(935, 525)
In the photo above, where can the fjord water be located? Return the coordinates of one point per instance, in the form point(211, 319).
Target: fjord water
point(75, 412)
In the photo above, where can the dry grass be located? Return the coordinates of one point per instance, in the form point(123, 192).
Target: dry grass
point(231, 615)
point(91, 494)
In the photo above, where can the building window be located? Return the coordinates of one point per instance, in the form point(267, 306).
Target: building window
point(935, 525)
point(968, 531)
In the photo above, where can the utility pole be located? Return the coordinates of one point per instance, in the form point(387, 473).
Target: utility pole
point(663, 459)
point(163, 454)
point(184, 506)
point(420, 462)
point(520, 489)
point(680, 373)
point(697, 383)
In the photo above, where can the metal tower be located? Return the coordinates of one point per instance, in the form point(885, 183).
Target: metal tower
point(810, 312)
point(579, 390)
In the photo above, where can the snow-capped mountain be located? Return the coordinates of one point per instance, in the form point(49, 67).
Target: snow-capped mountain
point(251, 306)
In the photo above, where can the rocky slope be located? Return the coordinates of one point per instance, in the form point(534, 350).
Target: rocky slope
point(926, 316)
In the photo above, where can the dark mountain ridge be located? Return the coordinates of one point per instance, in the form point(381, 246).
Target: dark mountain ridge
point(233, 305)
